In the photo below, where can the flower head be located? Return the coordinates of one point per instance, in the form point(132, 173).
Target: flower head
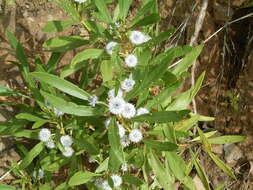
point(44, 135)
point(111, 93)
point(142, 111)
point(128, 111)
point(137, 37)
point(135, 135)
point(122, 131)
point(66, 140)
point(124, 141)
point(38, 174)
point(93, 100)
point(116, 105)
point(98, 182)
point(109, 47)
point(117, 180)
point(124, 167)
point(50, 144)
point(68, 151)
point(57, 112)
point(117, 24)
point(128, 84)
point(131, 60)
point(105, 185)
point(80, 1)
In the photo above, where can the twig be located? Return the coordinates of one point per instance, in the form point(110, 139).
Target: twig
point(7, 173)
point(198, 26)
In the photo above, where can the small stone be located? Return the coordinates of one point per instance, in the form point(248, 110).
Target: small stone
point(232, 153)
point(217, 148)
point(198, 183)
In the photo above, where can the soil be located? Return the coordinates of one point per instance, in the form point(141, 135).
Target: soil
point(233, 113)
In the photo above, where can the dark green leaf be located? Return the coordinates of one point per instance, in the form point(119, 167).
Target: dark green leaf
point(57, 25)
point(151, 19)
point(162, 146)
point(132, 180)
point(81, 177)
point(124, 6)
point(103, 11)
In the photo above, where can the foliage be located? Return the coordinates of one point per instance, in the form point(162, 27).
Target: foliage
point(109, 130)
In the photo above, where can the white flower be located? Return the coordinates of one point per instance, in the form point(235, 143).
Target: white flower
point(50, 144)
point(137, 37)
point(124, 167)
point(122, 131)
point(135, 135)
point(142, 111)
point(117, 180)
point(128, 84)
point(80, 1)
point(44, 135)
point(128, 111)
point(66, 140)
point(111, 93)
point(124, 141)
point(93, 100)
point(131, 60)
point(109, 47)
point(57, 112)
point(98, 182)
point(117, 24)
point(105, 185)
point(38, 174)
point(68, 151)
point(116, 105)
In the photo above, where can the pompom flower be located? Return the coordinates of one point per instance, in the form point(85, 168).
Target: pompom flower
point(142, 111)
point(93, 100)
point(98, 182)
point(128, 84)
point(44, 135)
point(105, 185)
point(57, 112)
point(128, 111)
point(116, 105)
point(124, 167)
point(68, 151)
point(109, 47)
point(66, 140)
point(38, 174)
point(117, 180)
point(131, 60)
point(111, 93)
point(80, 1)
point(135, 135)
point(137, 37)
point(122, 131)
point(124, 141)
point(50, 144)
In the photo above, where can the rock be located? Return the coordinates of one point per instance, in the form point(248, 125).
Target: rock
point(198, 183)
point(217, 148)
point(232, 154)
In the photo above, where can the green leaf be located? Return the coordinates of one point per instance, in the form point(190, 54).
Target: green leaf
point(61, 84)
point(30, 117)
point(85, 55)
point(81, 177)
point(116, 152)
point(8, 187)
point(204, 140)
point(103, 11)
point(151, 19)
point(222, 165)
point(160, 38)
point(36, 150)
point(4, 91)
point(20, 54)
point(103, 166)
point(127, 178)
point(166, 182)
point(226, 139)
point(68, 69)
point(57, 25)
point(62, 186)
point(162, 116)
point(70, 107)
point(64, 43)
point(106, 70)
point(52, 62)
point(124, 6)
point(162, 146)
point(188, 60)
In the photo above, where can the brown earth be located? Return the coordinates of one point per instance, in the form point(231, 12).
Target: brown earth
point(233, 113)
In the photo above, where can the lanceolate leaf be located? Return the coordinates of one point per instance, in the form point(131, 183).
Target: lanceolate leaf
point(151, 19)
point(163, 146)
point(70, 107)
point(57, 25)
point(31, 155)
point(61, 84)
point(116, 152)
point(124, 6)
point(162, 116)
point(4, 91)
point(226, 139)
point(103, 11)
point(81, 177)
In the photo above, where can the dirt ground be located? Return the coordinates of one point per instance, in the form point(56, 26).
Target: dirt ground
point(230, 103)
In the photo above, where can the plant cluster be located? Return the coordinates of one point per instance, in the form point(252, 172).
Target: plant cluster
point(122, 125)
